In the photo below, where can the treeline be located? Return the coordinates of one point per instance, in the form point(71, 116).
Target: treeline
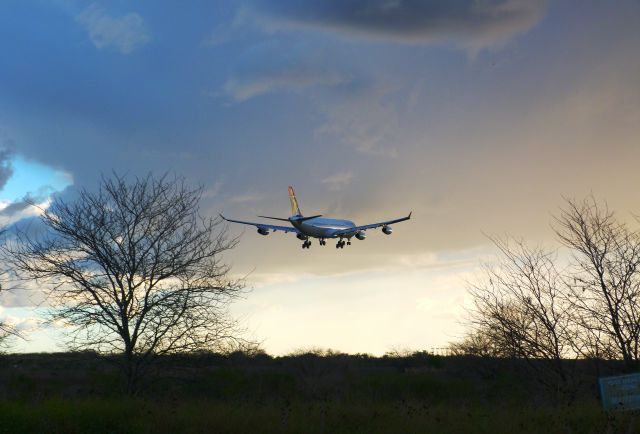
point(302, 376)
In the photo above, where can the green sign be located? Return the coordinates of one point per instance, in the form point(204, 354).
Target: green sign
point(621, 392)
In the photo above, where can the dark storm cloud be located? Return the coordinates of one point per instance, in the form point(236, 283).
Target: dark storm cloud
point(473, 23)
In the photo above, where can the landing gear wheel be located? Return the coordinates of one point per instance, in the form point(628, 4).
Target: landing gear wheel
point(306, 244)
point(348, 243)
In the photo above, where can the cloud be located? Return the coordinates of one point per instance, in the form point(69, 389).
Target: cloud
point(20, 324)
point(17, 207)
point(124, 34)
point(30, 205)
point(212, 191)
point(363, 115)
point(470, 23)
point(244, 88)
point(359, 110)
point(6, 168)
point(271, 67)
point(245, 198)
point(338, 181)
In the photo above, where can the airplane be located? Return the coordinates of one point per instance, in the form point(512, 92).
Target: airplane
point(306, 228)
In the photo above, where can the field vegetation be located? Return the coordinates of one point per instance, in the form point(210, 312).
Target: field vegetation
point(309, 392)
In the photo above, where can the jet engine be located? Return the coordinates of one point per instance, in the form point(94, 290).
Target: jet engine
point(302, 237)
point(387, 230)
point(263, 231)
point(361, 235)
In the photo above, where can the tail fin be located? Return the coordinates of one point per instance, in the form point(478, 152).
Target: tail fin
point(295, 209)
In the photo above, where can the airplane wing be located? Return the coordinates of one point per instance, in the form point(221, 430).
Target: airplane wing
point(273, 228)
point(372, 226)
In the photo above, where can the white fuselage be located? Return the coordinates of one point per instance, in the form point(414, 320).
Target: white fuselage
point(323, 227)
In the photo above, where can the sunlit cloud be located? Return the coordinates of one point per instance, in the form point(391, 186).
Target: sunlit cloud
point(363, 311)
point(21, 324)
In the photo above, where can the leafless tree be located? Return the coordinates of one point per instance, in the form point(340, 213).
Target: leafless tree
point(6, 331)
point(604, 282)
point(133, 270)
point(528, 308)
point(520, 312)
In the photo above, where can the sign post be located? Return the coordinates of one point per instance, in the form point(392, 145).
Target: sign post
point(621, 392)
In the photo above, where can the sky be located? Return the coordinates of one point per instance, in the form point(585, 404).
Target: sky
point(479, 116)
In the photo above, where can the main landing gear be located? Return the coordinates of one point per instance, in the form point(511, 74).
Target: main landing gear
point(341, 243)
point(323, 242)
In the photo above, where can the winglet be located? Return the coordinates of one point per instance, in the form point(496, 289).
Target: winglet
point(409, 216)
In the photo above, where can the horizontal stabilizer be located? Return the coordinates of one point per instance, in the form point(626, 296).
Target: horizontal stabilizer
point(274, 218)
point(301, 219)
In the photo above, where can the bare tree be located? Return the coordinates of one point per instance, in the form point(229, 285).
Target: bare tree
point(520, 312)
point(604, 282)
point(135, 271)
point(529, 309)
point(6, 331)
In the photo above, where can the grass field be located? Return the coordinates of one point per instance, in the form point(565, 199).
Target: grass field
point(149, 416)
point(79, 393)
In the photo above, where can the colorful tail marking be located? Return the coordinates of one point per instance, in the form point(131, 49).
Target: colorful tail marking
point(295, 209)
